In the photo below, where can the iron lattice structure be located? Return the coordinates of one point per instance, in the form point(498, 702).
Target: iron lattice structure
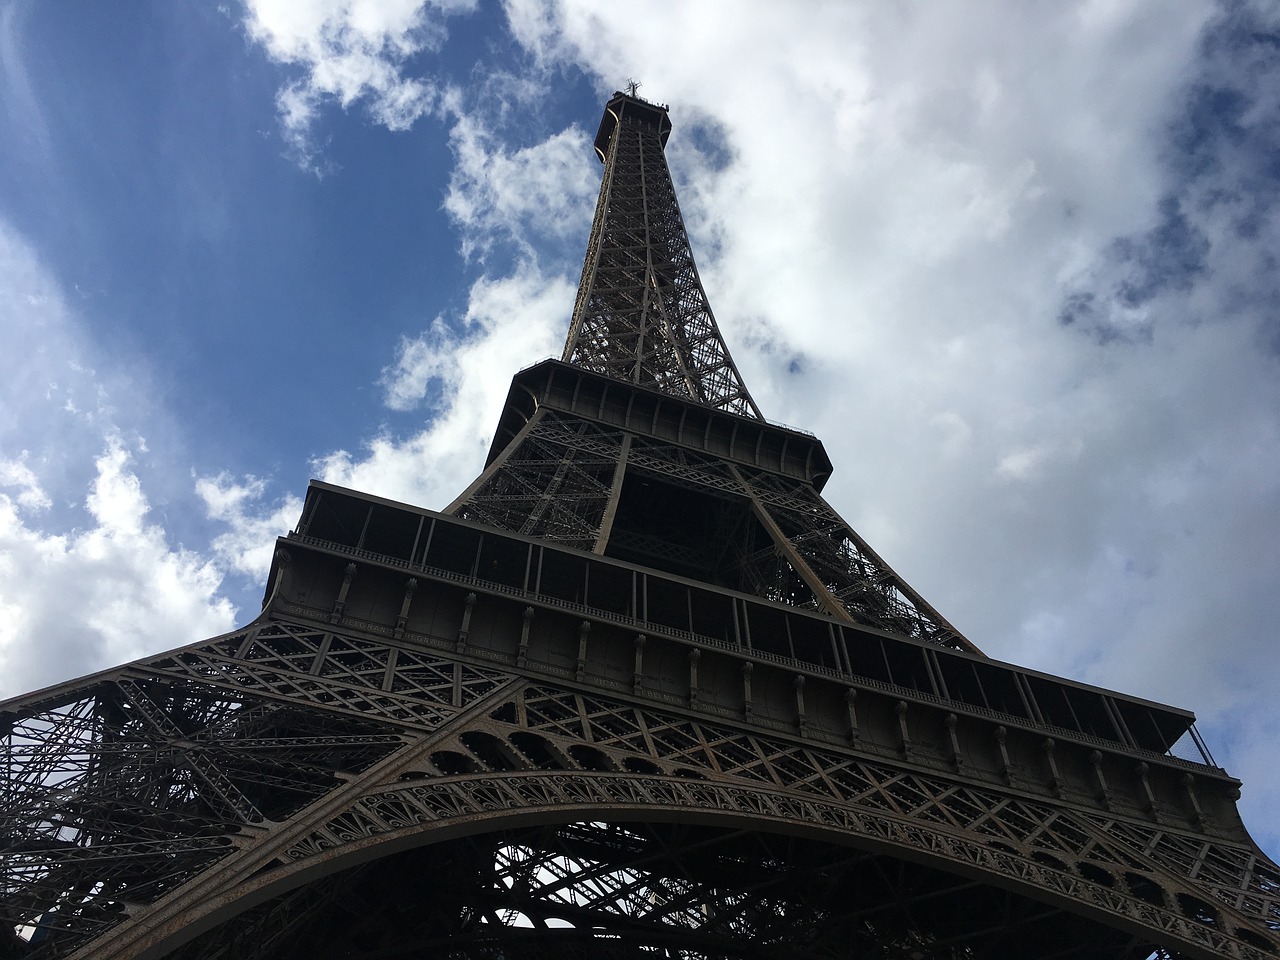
point(639, 692)
point(641, 313)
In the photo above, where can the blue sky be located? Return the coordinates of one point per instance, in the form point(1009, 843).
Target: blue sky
point(1013, 262)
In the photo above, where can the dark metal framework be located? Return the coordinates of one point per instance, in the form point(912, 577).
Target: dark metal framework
point(639, 692)
point(641, 314)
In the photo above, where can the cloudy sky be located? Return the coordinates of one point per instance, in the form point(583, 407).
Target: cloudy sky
point(1015, 262)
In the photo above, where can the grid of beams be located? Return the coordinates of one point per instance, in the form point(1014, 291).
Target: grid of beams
point(562, 475)
point(170, 773)
point(659, 891)
point(117, 792)
point(641, 314)
point(554, 485)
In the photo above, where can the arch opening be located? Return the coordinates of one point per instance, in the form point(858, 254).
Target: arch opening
point(646, 889)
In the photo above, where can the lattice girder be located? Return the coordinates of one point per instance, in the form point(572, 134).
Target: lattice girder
point(555, 483)
point(641, 315)
point(425, 795)
point(586, 446)
point(485, 714)
point(651, 890)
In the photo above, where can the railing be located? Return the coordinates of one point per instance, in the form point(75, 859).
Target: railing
point(701, 640)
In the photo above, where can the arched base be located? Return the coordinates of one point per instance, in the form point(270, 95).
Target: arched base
point(653, 890)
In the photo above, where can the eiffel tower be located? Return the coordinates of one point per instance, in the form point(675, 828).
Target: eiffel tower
point(639, 692)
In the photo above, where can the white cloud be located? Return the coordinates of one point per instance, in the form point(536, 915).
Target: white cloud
point(249, 544)
point(1031, 462)
point(89, 577)
point(349, 52)
point(509, 323)
point(426, 359)
point(15, 474)
point(523, 199)
point(101, 595)
point(526, 196)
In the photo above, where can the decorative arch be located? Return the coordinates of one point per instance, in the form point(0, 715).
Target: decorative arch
point(442, 810)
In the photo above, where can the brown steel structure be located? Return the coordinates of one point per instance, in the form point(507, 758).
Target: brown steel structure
point(639, 692)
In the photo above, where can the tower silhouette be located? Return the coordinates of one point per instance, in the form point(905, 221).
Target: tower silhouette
point(638, 692)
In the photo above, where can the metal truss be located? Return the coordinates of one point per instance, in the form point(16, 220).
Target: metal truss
point(662, 891)
point(641, 315)
point(177, 791)
point(639, 693)
point(555, 484)
point(564, 478)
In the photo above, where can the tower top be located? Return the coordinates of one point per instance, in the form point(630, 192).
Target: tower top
point(634, 108)
point(641, 314)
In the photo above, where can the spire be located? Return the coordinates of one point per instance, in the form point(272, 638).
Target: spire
point(641, 313)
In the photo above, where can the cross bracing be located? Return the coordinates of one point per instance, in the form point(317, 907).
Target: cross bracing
point(624, 489)
point(642, 315)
